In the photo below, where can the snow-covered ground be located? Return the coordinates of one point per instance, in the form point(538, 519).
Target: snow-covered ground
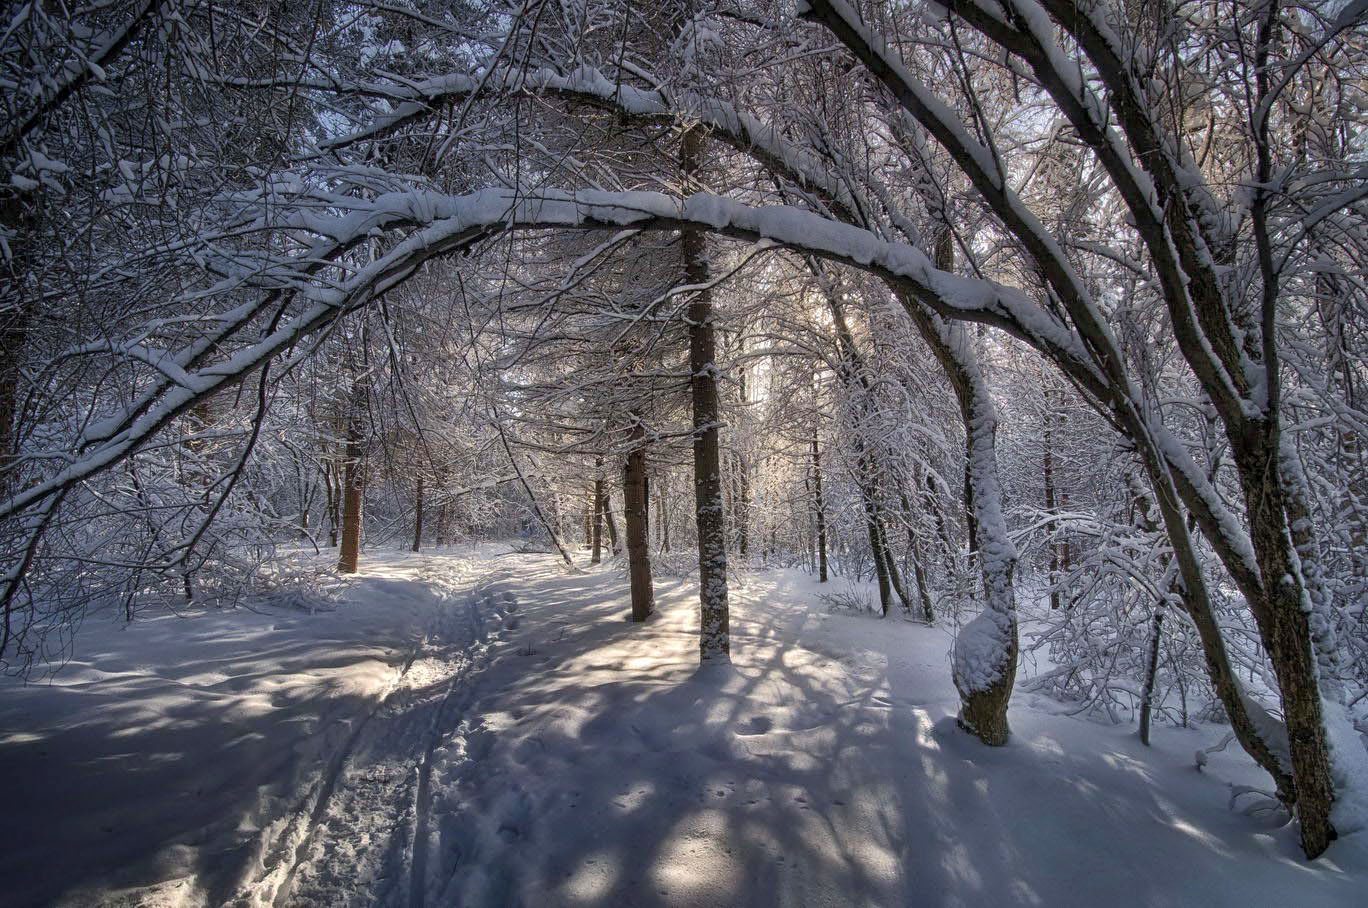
point(479, 728)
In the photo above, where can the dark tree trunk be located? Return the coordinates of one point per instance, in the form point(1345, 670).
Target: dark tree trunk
point(876, 549)
point(531, 496)
point(942, 526)
point(970, 519)
point(820, 507)
point(13, 336)
point(852, 375)
point(918, 575)
point(741, 504)
point(418, 516)
point(1286, 631)
point(614, 541)
point(1195, 598)
point(17, 220)
point(635, 503)
point(353, 483)
point(333, 488)
point(714, 625)
point(664, 511)
point(895, 577)
point(1151, 672)
point(597, 538)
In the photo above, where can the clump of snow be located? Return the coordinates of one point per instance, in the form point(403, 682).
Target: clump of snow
point(1349, 768)
point(979, 650)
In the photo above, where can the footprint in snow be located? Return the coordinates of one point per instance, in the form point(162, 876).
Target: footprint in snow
point(757, 725)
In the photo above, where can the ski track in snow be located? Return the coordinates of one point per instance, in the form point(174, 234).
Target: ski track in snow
point(531, 747)
point(365, 824)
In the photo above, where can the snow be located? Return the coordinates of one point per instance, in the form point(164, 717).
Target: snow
point(981, 650)
point(495, 729)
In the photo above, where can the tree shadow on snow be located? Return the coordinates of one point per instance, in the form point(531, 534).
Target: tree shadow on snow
point(612, 771)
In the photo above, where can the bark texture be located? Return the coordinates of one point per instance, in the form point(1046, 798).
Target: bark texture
point(635, 516)
point(820, 507)
point(714, 628)
point(353, 483)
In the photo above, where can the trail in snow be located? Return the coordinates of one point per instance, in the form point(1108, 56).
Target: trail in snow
point(531, 747)
point(362, 840)
point(205, 761)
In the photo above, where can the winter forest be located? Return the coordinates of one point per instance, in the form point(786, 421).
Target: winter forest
point(684, 452)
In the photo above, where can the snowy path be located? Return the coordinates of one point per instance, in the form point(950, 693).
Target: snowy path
point(358, 837)
point(251, 758)
point(490, 731)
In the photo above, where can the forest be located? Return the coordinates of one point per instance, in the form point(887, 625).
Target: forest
point(684, 452)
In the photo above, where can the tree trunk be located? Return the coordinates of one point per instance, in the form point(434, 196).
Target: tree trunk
point(635, 497)
point(1151, 672)
point(664, 511)
point(741, 505)
point(932, 498)
point(597, 538)
point(986, 649)
point(16, 220)
point(333, 489)
point(1048, 469)
point(820, 508)
point(851, 372)
point(918, 575)
point(895, 577)
point(353, 482)
point(614, 540)
point(1065, 556)
point(970, 518)
point(876, 548)
point(418, 515)
point(1196, 602)
point(985, 655)
point(714, 626)
point(13, 336)
point(1286, 631)
point(531, 496)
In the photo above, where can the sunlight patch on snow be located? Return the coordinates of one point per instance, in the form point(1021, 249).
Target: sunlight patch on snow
point(926, 732)
point(1048, 746)
point(1200, 835)
point(1023, 891)
point(1127, 763)
point(693, 863)
point(593, 881)
point(959, 862)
